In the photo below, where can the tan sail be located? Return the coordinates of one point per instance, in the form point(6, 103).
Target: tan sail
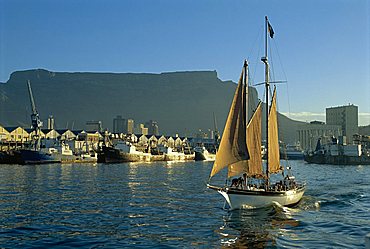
point(273, 138)
point(233, 148)
point(253, 167)
point(254, 143)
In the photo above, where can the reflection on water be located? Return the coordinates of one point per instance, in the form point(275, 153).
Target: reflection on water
point(255, 228)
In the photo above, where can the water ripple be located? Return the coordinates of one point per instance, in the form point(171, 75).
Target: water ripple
point(168, 206)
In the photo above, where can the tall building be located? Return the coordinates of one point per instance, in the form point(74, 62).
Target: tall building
point(346, 117)
point(152, 127)
point(129, 125)
point(309, 133)
point(51, 122)
point(119, 124)
point(141, 129)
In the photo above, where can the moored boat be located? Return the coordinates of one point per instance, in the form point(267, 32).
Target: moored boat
point(126, 152)
point(30, 156)
point(338, 154)
point(172, 155)
point(292, 152)
point(202, 154)
point(10, 157)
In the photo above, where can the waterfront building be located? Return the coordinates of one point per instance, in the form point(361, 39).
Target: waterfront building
point(309, 133)
point(66, 134)
point(32, 133)
point(170, 141)
point(161, 140)
point(346, 117)
point(87, 141)
point(3, 134)
point(142, 139)
point(16, 134)
point(178, 142)
point(50, 133)
point(153, 140)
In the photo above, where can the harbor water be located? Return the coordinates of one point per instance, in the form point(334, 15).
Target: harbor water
point(167, 205)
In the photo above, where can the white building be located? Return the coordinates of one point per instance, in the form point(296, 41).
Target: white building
point(346, 117)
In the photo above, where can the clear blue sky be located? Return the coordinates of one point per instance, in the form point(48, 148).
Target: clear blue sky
point(323, 45)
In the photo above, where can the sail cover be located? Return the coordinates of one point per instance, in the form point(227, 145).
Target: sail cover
point(273, 139)
point(233, 147)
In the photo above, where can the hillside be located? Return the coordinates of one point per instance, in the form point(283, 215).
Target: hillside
point(364, 130)
point(181, 102)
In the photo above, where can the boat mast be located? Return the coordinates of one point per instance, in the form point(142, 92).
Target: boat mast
point(246, 94)
point(267, 84)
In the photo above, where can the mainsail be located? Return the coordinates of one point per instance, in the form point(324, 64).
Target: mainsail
point(273, 138)
point(233, 149)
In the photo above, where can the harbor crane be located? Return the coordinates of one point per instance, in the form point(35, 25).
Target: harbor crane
point(36, 123)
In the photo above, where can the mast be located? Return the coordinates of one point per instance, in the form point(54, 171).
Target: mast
point(267, 84)
point(246, 104)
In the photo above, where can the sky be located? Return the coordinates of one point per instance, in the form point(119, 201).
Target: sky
point(320, 47)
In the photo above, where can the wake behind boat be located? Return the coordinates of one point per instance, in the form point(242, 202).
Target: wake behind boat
point(240, 151)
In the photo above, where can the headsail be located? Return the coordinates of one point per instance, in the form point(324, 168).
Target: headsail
point(233, 148)
point(273, 138)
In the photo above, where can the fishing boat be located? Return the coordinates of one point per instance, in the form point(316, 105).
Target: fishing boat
point(240, 151)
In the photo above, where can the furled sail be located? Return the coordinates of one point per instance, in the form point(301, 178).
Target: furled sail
point(233, 147)
point(273, 138)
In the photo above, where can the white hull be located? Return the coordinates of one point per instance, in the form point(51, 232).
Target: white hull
point(239, 199)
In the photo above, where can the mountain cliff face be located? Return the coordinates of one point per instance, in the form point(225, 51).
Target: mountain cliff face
point(181, 102)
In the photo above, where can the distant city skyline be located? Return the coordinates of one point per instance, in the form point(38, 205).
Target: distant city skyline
point(323, 47)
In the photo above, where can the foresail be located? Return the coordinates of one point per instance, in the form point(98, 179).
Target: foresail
point(273, 138)
point(233, 148)
point(254, 143)
point(253, 167)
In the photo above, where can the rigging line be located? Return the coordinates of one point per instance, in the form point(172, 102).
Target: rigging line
point(256, 41)
point(285, 76)
point(256, 60)
point(251, 98)
point(271, 67)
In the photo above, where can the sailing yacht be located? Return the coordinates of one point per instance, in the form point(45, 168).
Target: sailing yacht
point(240, 151)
